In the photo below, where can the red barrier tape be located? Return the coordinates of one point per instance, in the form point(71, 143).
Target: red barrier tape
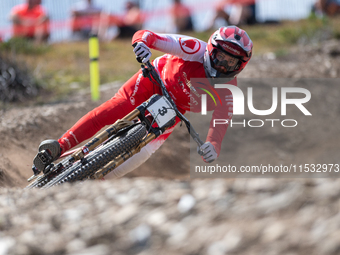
point(117, 19)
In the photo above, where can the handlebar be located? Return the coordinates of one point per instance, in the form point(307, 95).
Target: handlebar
point(149, 70)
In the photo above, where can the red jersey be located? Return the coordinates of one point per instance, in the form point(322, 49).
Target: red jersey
point(177, 68)
point(182, 63)
point(28, 16)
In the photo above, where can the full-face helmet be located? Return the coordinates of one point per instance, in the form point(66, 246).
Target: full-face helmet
point(228, 51)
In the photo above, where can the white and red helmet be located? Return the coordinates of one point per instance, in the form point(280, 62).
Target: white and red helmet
point(230, 43)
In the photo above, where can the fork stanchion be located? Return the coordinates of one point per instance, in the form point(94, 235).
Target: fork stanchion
point(94, 67)
point(122, 158)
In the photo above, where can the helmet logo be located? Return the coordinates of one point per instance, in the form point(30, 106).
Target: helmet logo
point(230, 48)
point(189, 45)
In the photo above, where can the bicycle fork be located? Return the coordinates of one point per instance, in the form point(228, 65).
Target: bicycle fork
point(122, 158)
point(103, 136)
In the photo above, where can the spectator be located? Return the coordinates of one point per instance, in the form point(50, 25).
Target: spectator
point(235, 12)
point(327, 7)
point(85, 18)
point(30, 20)
point(181, 17)
point(127, 24)
point(132, 20)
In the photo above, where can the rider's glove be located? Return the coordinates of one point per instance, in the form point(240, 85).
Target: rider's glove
point(142, 52)
point(208, 152)
point(49, 150)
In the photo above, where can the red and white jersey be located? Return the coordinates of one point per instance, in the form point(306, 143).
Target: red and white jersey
point(183, 62)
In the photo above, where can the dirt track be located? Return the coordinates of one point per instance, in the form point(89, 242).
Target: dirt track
point(22, 129)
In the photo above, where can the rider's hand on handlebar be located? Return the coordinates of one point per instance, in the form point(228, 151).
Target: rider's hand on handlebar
point(142, 52)
point(208, 152)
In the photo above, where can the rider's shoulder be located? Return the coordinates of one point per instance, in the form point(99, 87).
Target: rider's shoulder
point(191, 45)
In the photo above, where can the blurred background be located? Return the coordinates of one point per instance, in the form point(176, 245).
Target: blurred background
point(158, 17)
point(34, 34)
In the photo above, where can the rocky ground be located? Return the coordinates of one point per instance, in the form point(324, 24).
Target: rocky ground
point(157, 216)
point(163, 211)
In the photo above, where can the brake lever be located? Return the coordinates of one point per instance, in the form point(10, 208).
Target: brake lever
point(145, 71)
point(199, 151)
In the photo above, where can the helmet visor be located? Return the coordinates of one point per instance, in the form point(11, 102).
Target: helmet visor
point(224, 62)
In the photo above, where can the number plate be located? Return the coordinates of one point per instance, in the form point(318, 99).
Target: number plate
point(162, 111)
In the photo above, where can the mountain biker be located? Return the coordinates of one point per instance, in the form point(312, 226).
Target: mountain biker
point(227, 52)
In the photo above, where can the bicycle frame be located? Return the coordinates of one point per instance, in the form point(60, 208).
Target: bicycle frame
point(150, 72)
point(126, 122)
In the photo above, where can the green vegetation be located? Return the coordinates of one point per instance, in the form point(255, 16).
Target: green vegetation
point(24, 46)
point(64, 67)
point(280, 37)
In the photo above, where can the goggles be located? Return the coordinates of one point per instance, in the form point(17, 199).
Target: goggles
point(225, 62)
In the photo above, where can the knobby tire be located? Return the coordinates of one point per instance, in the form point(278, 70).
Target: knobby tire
point(98, 158)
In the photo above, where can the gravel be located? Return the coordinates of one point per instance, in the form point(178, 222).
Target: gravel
point(157, 216)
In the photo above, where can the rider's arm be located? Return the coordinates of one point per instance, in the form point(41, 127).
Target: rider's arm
point(185, 47)
point(223, 112)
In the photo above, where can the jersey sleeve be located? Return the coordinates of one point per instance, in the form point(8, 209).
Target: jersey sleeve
point(186, 47)
point(222, 116)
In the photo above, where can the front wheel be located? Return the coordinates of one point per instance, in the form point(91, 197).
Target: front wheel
point(101, 156)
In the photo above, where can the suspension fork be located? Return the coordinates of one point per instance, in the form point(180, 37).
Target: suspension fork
point(122, 158)
point(103, 136)
point(125, 156)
